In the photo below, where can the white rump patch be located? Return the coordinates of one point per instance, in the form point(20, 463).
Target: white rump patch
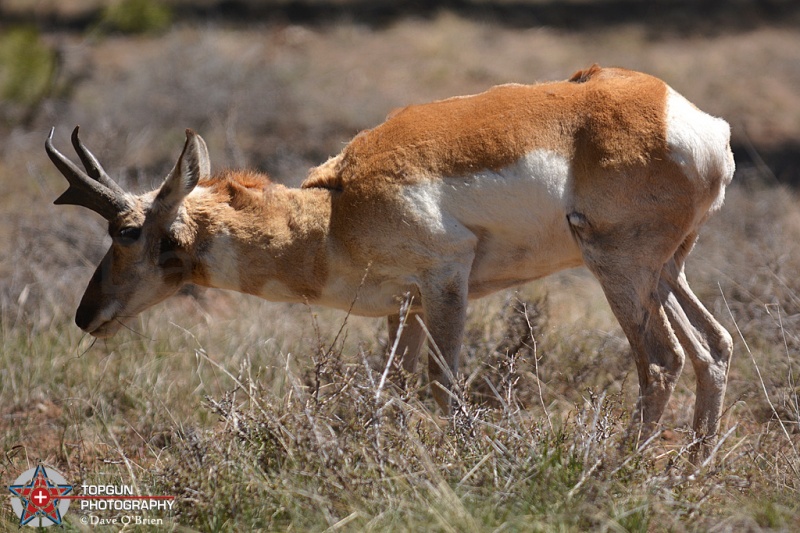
point(699, 143)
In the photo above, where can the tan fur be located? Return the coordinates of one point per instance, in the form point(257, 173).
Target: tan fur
point(610, 117)
point(267, 220)
point(449, 201)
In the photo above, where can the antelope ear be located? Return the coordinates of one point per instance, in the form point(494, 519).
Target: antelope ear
point(192, 166)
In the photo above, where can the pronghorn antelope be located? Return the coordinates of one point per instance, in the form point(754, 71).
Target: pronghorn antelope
point(449, 201)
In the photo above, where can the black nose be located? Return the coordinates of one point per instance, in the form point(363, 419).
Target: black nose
point(84, 316)
point(91, 303)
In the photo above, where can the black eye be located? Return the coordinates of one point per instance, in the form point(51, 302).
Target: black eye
point(129, 235)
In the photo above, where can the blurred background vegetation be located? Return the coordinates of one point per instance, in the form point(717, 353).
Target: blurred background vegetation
point(280, 85)
point(37, 38)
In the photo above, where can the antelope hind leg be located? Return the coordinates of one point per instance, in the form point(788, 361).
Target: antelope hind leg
point(630, 280)
point(709, 347)
point(657, 351)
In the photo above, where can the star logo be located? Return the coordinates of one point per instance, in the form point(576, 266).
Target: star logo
point(37, 497)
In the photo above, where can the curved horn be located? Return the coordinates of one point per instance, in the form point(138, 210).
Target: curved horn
point(92, 165)
point(83, 190)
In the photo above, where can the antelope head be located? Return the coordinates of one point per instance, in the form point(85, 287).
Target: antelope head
point(150, 256)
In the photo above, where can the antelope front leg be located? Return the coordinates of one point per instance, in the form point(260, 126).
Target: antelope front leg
point(408, 346)
point(444, 301)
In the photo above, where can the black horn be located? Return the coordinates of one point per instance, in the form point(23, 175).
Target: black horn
point(95, 191)
point(92, 165)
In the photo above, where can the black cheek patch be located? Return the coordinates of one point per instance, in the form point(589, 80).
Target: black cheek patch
point(174, 262)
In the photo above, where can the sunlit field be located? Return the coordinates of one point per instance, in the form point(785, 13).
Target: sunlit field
point(263, 416)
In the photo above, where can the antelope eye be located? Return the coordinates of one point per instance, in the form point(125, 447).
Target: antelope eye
point(129, 235)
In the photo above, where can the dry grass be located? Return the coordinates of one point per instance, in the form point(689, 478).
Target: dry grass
point(254, 417)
